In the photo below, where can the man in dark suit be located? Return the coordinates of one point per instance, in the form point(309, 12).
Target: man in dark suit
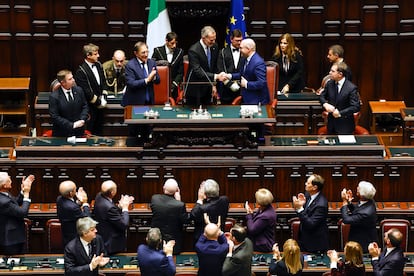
point(362, 217)
point(155, 257)
point(230, 61)
point(211, 248)
point(169, 213)
point(13, 210)
point(238, 261)
point(71, 206)
point(202, 71)
point(174, 55)
point(113, 220)
point(68, 107)
point(390, 262)
point(114, 71)
point(211, 203)
point(312, 209)
point(253, 75)
point(85, 253)
point(90, 76)
point(340, 99)
point(141, 74)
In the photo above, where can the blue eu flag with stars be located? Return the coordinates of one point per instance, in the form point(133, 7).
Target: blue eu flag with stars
point(236, 19)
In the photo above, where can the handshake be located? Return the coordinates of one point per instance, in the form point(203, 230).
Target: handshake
point(225, 78)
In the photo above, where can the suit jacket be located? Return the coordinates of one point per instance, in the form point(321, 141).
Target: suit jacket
point(225, 63)
point(154, 262)
point(69, 212)
point(211, 255)
point(261, 228)
point(64, 113)
point(169, 215)
point(279, 268)
point(214, 207)
point(363, 220)
point(390, 265)
point(112, 225)
point(86, 79)
point(111, 76)
point(136, 87)
point(255, 73)
point(346, 269)
point(13, 210)
point(240, 264)
point(77, 260)
point(313, 232)
point(200, 71)
point(347, 102)
point(295, 74)
point(176, 64)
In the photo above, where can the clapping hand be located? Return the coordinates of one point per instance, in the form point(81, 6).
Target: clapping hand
point(299, 201)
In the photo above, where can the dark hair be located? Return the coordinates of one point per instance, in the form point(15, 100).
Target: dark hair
point(342, 67)
point(337, 50)
point(236, 33)
point(238, 232)
point(318, 181)
point(395, 237)
point(171, 36)
point(138, 45)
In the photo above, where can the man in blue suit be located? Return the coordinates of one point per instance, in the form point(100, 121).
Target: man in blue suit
point(13, 210)
point(312, 209)
point(390, 262)
point(140, 74)
point(340, 99)
point(252, 76)
point(154, 258)
point(68, 107)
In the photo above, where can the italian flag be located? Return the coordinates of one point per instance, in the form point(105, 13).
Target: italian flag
point(158, 25)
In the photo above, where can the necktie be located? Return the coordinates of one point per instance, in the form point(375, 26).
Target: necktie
point(96, 73)
point(90, 250)
point(70, 97)
point(285, 64)
point(147, 98)
point(235, 50)
point(245, 66)
point(117, 72)
point(208, 56)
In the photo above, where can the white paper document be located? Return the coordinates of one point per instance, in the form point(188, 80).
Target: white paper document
point(346, 139)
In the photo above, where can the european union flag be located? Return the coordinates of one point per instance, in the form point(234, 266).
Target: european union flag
point(236, 19)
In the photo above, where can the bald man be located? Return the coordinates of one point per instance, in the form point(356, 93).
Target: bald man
point(113, 219)
point(211, 248)
point(169, 213)
point(114, 71)
point(71, 206)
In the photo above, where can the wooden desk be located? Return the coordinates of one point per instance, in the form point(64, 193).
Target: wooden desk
point(384, 107)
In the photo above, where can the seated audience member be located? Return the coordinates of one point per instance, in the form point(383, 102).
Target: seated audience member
point(114, 71)
point(13, 210)
point(340, 99)
point(291, 67)
point(290, 264)
point(113, 219)
point(68, 107)
point(353, 265)
point(362, 216)
point(238, 261)
point(71, 206)
point(211, 249)
point(211, 203)
point(85, 253)
point(155, 257)
point(261, 223)
point(391, 261)
point(169, 213)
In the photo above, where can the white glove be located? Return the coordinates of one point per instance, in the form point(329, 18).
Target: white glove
point(103, 103)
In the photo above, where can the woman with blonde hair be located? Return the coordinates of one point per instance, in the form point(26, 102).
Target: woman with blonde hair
point(290, 264)
point(353, 265)
point(261, 223)
point(291, 66)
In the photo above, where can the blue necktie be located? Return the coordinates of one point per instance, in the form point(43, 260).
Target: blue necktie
point(147, 97)
point(209, 56)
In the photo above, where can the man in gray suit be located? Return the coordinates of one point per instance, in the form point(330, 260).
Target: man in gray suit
point(239, 258)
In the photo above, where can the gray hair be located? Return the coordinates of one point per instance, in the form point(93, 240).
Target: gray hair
point(83, 225)
point(154, 238)
point(206, 30)
point(211, 188)
point(249, 43)
point(366, 190)
point(4, 177)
